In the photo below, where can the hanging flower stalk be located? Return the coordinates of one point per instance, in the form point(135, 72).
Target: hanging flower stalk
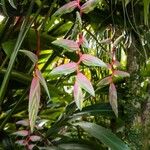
point(81, 81)
point(114, 72)
point(35, 88)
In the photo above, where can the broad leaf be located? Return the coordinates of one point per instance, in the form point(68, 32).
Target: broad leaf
point(113, 98)
point(35, 138)
point(121, 73)
point(64, 69)
point(67, 8)
point(68, 45)
point(42, 81)
point(90, 60)
point(85, 84)
point(34, 101)
point(31, 55)
point(21, 133)
point(89, 6)
point(105, 81)
point(104, 135)
point(78, 95)
point(12, 4)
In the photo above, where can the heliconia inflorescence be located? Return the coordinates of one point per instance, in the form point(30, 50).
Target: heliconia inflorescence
point(81, 81)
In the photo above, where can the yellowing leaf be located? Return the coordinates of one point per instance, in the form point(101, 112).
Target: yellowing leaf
point(113, 98)
point(34, 101)
point(67, 8)
point(68, 45)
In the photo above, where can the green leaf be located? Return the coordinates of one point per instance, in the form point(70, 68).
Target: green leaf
point(31, 55)
point(3, 3)
point(104, 135)
point(42, 81)
point(68, 45)
point(8, 47)
point(89, 6)
point(67, 8)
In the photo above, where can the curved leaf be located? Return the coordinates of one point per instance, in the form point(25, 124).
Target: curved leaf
point(23, 122)
point(64, 69)
point(118, 40)
point(89, 6)
point(105, 81)
point(121, 73)
point(67, 8)
point(35, 138)
point(68, 45)
point(85, 84)
point(78, 95)
point(12, 4)
point(90, 60)
point(42, 81)
point(104, 135)
point(96, 109)
point(31, 55)
point(34, 101)
point(113, 98)
point(21, 133)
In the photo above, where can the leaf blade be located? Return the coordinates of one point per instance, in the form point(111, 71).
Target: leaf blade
point(89, 6)
point(67, 8)
point(78, 96)
point(34, 101)
point(42, 81)
point(113, 98)
point(31, 55)
point(85, 84)
point(104, 135)
point(90, 60)
point(68, 45)
point(64, 69)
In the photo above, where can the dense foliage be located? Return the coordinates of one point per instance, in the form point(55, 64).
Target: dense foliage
point(74, 74)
